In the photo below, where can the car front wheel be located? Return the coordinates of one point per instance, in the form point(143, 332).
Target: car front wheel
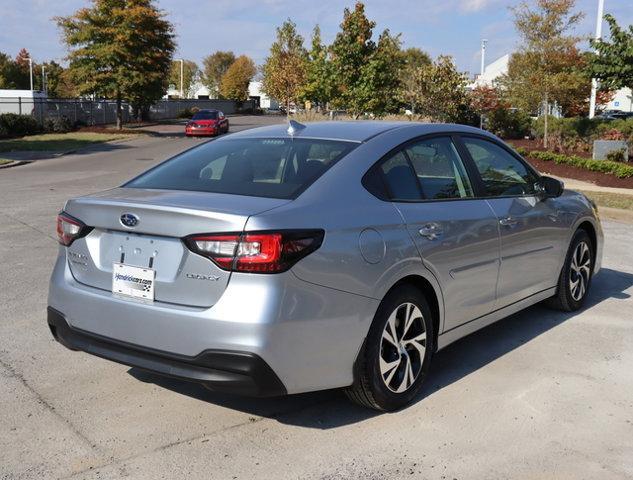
point(397, 353)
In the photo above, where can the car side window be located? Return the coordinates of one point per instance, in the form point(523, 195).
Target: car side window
point(439, 169)
point(400, 178)
point(501, 173)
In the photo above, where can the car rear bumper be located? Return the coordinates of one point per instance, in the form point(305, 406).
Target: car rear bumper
point(219, 370)
point(307, 334)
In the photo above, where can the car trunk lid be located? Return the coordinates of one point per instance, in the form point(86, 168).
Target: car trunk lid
point(164, 218)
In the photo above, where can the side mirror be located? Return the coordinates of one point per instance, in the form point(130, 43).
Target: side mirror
point(551, 187)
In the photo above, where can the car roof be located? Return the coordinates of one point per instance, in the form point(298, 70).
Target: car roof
point(353, 131)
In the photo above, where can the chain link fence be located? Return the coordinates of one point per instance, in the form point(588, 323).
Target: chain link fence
point(103, 112)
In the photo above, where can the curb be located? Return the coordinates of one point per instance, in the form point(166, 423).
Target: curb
point(14, 163)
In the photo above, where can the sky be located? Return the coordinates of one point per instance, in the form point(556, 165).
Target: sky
point(449, 27)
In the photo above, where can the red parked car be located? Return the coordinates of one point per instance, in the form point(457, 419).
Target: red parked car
point(207, 122)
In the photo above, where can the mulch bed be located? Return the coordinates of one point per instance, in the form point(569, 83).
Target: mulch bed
point(569, 171)
point(96, 129)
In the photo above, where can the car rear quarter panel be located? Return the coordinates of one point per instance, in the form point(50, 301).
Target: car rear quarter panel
point(366, 249)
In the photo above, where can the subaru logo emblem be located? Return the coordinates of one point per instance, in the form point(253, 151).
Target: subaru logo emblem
point(129, 220)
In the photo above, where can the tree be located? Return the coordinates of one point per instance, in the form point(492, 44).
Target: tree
point(53, 72)
point(366, 74)
point(439, 91)
point(613, 64)
point(379, 82)
point(234, 83)
point(214, 68)
point(5, 67)
point(537, 73)
point(319, 85)
point(191, 72)
point(352, 48)
point(284, 71)
point(121, 49)
point(413, 59)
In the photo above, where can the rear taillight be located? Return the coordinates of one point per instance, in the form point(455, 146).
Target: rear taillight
point(70, 228)
point(257, 252)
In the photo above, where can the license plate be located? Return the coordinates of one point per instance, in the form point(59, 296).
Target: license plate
point(137, 282)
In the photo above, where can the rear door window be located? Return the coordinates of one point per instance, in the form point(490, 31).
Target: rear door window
point(439, 169)
point(263, 167)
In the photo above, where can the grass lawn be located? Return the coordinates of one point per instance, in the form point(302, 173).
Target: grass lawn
point(4, 160)
point(58, 142)
point(613, 200)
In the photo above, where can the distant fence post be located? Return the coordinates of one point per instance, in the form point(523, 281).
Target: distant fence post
point(41, 111)
point(20, 105)
point(105, 118)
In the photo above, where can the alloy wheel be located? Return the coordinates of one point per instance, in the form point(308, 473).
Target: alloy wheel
point(580, 271)
point(402, 348)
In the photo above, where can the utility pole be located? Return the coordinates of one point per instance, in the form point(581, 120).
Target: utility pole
point(182, 75)
point(594, 82)
point(44, 86)
point(481, 75)
point(31, 71)
point(483, 56)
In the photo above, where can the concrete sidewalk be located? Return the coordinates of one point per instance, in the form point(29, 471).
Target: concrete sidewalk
point(574, 184)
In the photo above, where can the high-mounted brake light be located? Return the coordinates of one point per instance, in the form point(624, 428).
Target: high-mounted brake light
point(70, 228)
point(257, 252)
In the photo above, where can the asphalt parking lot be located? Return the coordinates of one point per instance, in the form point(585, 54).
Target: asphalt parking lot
point(541, 394)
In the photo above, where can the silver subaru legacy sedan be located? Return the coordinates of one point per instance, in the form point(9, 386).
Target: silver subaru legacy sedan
point(289, 259)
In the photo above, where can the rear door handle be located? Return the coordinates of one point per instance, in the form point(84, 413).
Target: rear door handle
point(508, 222)
point(431, 231)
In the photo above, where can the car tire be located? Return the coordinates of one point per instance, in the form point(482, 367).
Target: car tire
point(379, 384)
point(575, 277)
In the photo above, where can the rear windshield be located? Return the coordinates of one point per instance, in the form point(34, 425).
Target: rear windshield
point(205, 116)
point(260, 167)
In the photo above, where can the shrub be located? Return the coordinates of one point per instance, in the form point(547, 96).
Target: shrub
point(620, 170)
point(507, 123)
point(524, 152)
point(58, 125)
point(617, 155)
point(186, 113)
point(14, 125)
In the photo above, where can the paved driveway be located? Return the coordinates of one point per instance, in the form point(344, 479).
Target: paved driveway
point(539, 395)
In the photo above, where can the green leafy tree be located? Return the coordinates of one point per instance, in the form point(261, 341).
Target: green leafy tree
point(366, 73)
point(285, 69)
point(234, 83)
point(379, 82)
point(214, 68)
point(120, 49)
point(54, 79)
point(352, 48)
point(613, 65)
point(439, 91)
point(319, 81)
point(5, 67)
point(190, 71)
point(540, 73)
point(413, 59)
point(16, 72)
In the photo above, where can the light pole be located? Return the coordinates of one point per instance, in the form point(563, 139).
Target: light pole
point(594, 82)
point(31, 71)
point(44, 87)
point(182, 74)
point(483, 56)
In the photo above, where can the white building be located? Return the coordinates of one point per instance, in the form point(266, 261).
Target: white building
point(265, 102)
point(492, 72)
point(623, 99)
point(201, 92)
